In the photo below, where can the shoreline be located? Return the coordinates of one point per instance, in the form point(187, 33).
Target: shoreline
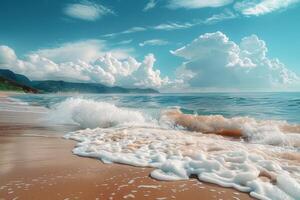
point(37, 163)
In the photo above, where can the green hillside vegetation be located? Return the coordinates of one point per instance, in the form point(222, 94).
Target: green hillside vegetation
point(6, 85)
point(19, 82)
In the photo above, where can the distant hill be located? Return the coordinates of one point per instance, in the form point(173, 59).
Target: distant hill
point(8, 85)
point(49, 86)
point(62, 86)
point(18, 78)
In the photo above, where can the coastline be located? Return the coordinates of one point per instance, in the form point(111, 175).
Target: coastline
point(37, 163)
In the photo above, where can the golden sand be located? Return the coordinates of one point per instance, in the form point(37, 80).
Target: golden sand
point(36, 163)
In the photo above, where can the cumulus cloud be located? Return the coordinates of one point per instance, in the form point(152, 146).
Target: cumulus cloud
point(192, 4)
point(87, 10)
point(107, 67)
point(251, 7)
point(154, 42)
point(7, 55)
point(213, 61)
point(150, 5)
point(151, 76)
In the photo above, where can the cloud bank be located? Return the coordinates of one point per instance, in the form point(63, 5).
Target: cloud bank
point(214, 62)
point(85, 61)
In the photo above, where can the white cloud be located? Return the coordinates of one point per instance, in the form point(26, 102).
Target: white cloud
point(226, 15)
point(215, 62)
point(108, 67)
point(246, 7)
point(212, 62)
point(193, 4)
point(214, 44)
point(173, 26)
point(154, 42)
point(146, 75)
point(150, 5)
point(128, 31)
point(85, 50)
point(251, 7)
point(134, 29)
point(7, 55)
point(87, 10)
point(124, 42)
point(81, 50)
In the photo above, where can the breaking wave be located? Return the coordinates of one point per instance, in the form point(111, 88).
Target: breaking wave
point(252, 130)
point(92, 114)
point(259, 157)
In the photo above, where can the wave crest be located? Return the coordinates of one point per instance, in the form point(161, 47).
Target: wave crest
point(265, 131)
point(92, 114)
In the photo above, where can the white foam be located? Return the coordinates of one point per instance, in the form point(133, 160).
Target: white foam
point(263, 170)
point(177, 155)
point(149, 186)
point(258, 131)
point(92, 114)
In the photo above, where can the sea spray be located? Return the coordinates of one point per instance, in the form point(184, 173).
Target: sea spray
point(92, 114)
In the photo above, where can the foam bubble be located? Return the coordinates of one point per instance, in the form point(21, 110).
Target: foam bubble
point(178, 154)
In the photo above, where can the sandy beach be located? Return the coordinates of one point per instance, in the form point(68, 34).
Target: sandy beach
point(37, 163)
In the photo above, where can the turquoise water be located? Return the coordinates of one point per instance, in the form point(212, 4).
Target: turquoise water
point(275, 106)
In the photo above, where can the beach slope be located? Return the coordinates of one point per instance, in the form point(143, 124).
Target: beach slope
point(37, 163)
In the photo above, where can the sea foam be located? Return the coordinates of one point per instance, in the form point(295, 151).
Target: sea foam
point(177, 155)
point(257, 131)
point(265, 167)
point(92, 114)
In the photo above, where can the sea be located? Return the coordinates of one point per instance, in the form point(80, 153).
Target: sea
point(178, 135)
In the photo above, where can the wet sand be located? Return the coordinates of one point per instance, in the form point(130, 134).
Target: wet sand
point(36, 163)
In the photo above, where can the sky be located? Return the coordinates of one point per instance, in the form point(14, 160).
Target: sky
point(169, 45)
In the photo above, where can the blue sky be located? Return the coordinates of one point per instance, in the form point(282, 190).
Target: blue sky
point(55, 37)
